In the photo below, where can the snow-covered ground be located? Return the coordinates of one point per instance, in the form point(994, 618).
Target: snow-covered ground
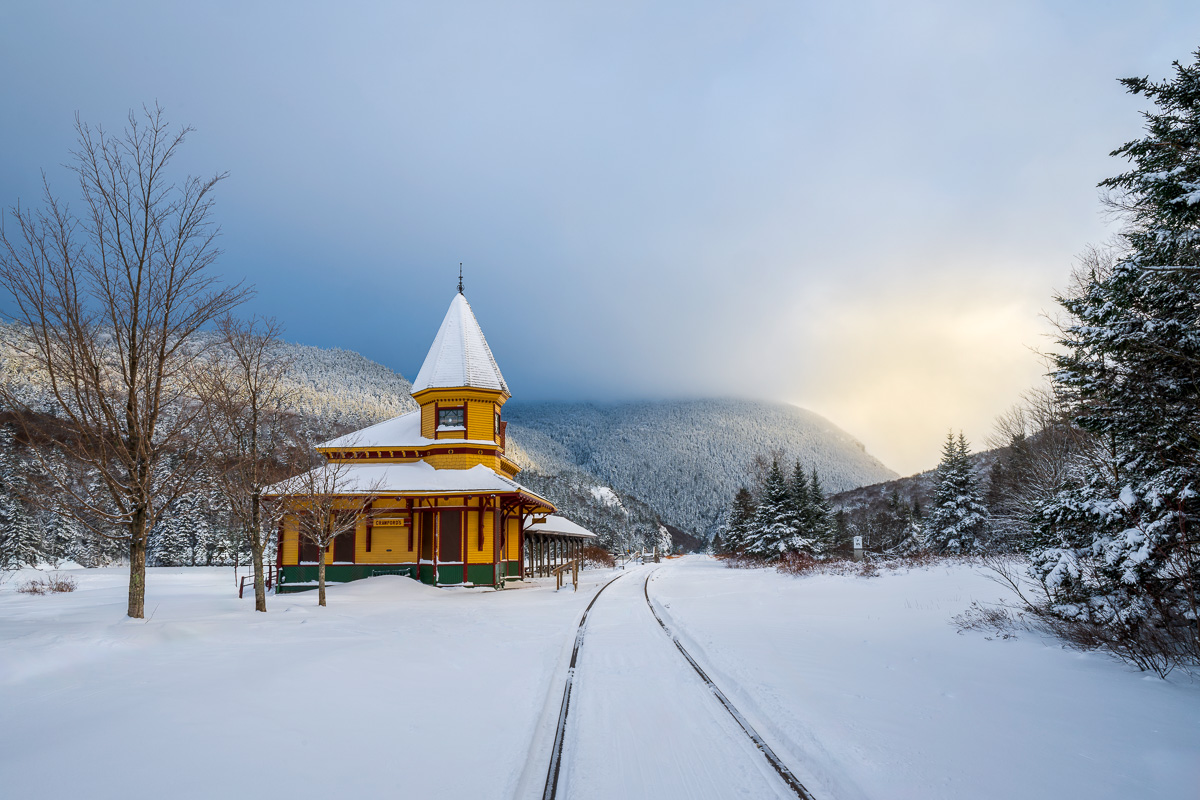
point(394, 689)
point(865, 689)
point(862, 686)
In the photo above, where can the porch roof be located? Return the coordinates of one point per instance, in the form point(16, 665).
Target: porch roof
point(560, 526)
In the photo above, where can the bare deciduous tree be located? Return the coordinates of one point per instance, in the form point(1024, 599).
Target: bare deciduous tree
point(328, 501)
point(109, 303)
point(1040, 449)
point(249, 430)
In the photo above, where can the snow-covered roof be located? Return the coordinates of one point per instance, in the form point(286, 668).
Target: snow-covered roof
point(561, 526)
point(408, 478)
point(460, 356)
point(396, 433)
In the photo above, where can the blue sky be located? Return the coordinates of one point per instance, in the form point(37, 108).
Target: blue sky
point(862, 208)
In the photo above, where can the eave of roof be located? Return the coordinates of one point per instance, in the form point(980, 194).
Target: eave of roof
point(560, 526)
point(412, 478)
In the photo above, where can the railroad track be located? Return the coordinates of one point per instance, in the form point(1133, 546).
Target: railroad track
point(556, 758)
point(560, 732)
point(791, 780)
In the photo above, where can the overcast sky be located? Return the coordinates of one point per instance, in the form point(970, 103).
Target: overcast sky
point(860, 208)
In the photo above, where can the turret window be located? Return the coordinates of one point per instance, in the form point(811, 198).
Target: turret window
point(450, 418)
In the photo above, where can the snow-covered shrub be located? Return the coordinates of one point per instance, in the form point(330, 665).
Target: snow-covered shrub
point(594, 556)
point(50, 584)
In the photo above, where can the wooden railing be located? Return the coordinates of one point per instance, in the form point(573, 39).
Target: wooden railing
point(270, 578)
point(558, 571)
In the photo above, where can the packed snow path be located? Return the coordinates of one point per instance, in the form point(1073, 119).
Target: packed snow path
point(776, 763)
point(642, 724)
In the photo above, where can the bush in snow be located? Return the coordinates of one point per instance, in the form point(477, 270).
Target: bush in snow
point(51, 584)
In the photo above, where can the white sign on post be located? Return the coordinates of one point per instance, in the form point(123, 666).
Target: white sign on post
point(858, 543)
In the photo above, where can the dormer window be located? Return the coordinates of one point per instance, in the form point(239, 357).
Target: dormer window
point(451, 418)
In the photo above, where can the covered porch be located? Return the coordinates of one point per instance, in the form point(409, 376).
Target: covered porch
point(551, 543)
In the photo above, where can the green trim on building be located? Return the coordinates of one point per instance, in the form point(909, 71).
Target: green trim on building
point(450, 573)
point(306, 574)
point(513, 568)
point(481, 574)
point(302, 577)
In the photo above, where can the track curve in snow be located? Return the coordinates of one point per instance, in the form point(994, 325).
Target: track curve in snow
point(785, 774)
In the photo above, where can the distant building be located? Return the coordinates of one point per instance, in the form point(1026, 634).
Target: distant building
point(445, 507)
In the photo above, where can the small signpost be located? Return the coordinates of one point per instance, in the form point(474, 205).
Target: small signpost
point(858, 551)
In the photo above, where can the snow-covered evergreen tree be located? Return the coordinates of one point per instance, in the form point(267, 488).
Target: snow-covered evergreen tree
point(1119, 543)
point(958, 517)
point(183, 538)
point(770, 534)
point(18, 530)
point(800, 511)
point(821, 525)
point(739, 521)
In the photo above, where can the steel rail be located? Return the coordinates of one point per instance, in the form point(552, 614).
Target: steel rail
point(551, 790)
point(791, 780)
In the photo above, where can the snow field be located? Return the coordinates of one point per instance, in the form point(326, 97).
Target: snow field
point(394, 688)
point(862, 686)
point(865, 689)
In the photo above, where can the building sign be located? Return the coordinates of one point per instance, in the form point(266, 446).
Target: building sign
point(391, 522)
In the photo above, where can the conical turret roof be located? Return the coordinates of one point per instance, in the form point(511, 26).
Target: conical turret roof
point(460, 356)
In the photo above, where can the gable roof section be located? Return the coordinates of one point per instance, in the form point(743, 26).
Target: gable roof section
point(460, 356)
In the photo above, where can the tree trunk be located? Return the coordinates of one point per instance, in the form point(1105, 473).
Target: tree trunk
point(257, 545)
point(260, 589)
point(321, 578)
point(137, 566)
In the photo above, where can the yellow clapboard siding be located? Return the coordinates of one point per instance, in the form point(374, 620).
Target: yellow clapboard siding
point(476, 554)
point(511, 543)
point(389, 545)
point(481, 420)
point(291, 542)
point(466, 459)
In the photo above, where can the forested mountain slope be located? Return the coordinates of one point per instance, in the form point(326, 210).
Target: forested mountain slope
point(339, 388)
point(620, 470)
point(685, 459)
point(344, 388)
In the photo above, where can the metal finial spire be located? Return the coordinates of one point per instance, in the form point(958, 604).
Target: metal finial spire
point(460, 291)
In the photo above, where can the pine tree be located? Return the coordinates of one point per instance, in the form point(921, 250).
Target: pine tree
point(958, 517)
point(739, 520)
point(770, 534)
point(800, 512)
point(18, 532)
point(821, 529)
point(1120, 538)
point(183, 536)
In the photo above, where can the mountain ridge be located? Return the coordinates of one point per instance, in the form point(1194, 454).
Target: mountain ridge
point(669, 464)
point(686, 458)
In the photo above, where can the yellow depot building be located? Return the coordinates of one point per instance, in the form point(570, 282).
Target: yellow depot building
point(442, 501)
